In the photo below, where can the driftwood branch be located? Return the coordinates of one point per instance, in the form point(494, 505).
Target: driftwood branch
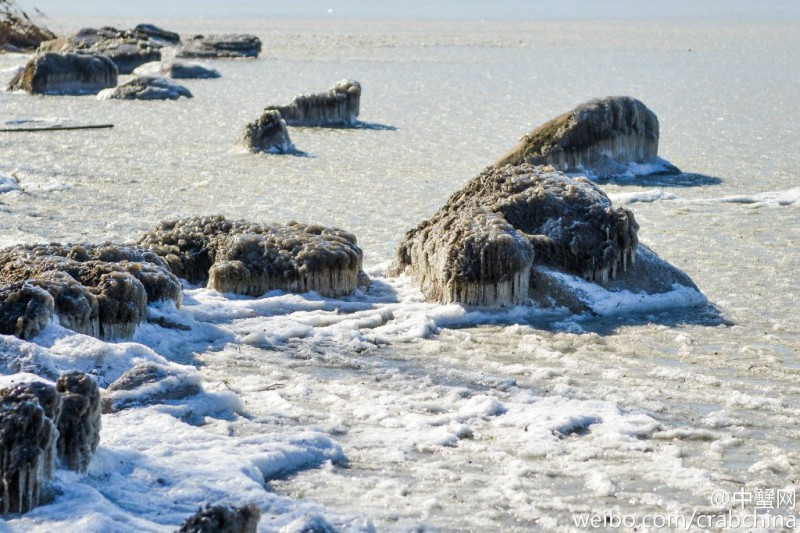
point(59, 128)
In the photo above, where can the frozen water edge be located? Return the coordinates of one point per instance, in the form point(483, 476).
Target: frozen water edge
point(230, 442)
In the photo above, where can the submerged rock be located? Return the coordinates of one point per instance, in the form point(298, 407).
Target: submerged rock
point(227, 45)
point(100, 290)
point(18, 33)
point(223, 519)
point(79, 423)
point(603, 137)
point(339, 106)
point(248, 258)
point(146, 88)
point(267, 134)
point(27, 443)
point(52, 73)
point(494, 242)
point(126, 48)
point(176, 70)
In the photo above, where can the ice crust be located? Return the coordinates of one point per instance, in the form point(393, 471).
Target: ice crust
point(603, 136)
point(339, 106)
point(65, 73)
point(248, 258)
point(479, 248)
point(176, 70)
point(146, 88)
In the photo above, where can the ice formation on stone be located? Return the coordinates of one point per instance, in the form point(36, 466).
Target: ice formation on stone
point(480, 247)
point(17, 31)
point(223, 519)
point(267, 134)
point(27, 444)
point(149, 383)
point(228, 45)
point(248, 258)
point(176, 70)
point(126, 48)
point(339, 106)
point(158, 35)
point(25, 309)
point(79, 423)
point(100, 290)
point(601, 136)
point(52, 73)
point(146, 88)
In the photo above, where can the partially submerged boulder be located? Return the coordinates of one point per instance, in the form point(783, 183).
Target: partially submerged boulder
point(248, 258)
point(226, 45)
point(223, 519)
point(18, 33)
point(79, 423)
point(606, 137)
point(52, 73)
point(177, 70)
point(495, 241)
point(267, 134)
point(146, 88)
point(100, 290)
point(339, 106)
point(126, 48)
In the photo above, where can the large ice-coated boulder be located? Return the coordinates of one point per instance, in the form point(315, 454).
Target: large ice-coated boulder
point(18, 33)
point(223, 519)
point(79, 423)
point(226, 45)
point(146, 88)
point(338, 106)
point(176, 70)
point(53, 73)
point(513, 233)
point(126, 48)
point(605, 137)
point(267, 134)
point(100, 290)
point(248, 258)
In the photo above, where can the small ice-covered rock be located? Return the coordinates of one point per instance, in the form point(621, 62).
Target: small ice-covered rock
point(226, 45)
point(159, 35)
point(176, 70)
point(52, 73)
point(308, 524)
point(267, 134)
point(146, 88)
point(495, 242)
point(79, 423)
point(100, 290)
point(27, 438)
point(223, 519)
point(8, 184)
point(249, 258)
point(150, 383)
point(338, 106)
point(603, 137)
point(25, 309)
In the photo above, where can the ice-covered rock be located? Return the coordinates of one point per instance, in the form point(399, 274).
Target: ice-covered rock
point(8, 184)
point(226, 45)
point(602, 137)
point(267, 134)
point(223, 519)
point(27, 443)
point(339, 106)
point(150, 383)
point(54, 73)
point(25, 309)
point(79, 423)
point(176, 70)
point(146, 88)
point(248, 258)
point(308, 524)
point(126, 48)
point(495, 242)
point(100, 290)
point(159, 35)
point(18, 32)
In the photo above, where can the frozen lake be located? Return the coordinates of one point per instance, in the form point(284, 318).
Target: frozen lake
point(417, 416)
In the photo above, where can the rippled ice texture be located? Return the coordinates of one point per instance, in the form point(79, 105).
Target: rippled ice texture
point(447, 418)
